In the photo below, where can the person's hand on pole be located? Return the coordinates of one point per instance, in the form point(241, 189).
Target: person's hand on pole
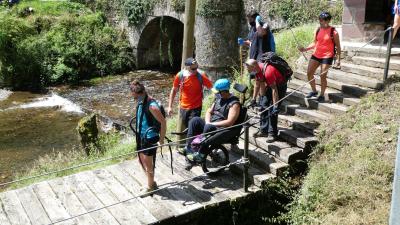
point(302, 49)
point(241, 41)
point(275, 110)
point(169, 111)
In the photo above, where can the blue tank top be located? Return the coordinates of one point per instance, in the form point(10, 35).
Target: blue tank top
point(152, 133)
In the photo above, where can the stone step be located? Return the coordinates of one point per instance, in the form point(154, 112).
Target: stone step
point(294, 122)
point(363, 70)
point(261, 158)
point(312, 103)
point(346, 88)
point(257, 175)
point(331, 94)
point(376, 62)
point(302, 140)
point(299, 124)
point(351, 78)
point(360, 49)
point(284, 152)
point(306, 114)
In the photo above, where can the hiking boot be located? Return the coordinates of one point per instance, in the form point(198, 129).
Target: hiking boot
point(145, 192)
point(196, 157)
point(271, 138)
point(321, 98)
point(312, 94)
point(260, 134)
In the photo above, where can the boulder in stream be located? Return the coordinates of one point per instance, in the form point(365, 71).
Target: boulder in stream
point(88, 132)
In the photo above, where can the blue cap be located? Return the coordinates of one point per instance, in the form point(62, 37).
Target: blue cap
point(221, 85)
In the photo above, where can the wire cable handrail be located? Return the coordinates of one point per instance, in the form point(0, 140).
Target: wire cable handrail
point(169, 143)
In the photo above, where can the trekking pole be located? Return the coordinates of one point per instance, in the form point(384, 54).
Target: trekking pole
point(297, 44)
point(241, 61)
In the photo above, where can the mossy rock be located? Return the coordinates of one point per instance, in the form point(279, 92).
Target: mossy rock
point(88, 131)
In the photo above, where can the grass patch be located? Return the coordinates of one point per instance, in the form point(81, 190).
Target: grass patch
point(351, 173)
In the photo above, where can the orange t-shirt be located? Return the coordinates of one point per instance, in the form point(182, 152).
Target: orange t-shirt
point(191, 92)
point(324, 47)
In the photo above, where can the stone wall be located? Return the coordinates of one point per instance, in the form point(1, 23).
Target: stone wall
point(355, 27)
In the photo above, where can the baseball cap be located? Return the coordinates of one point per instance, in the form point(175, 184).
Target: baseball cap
point(190, 61)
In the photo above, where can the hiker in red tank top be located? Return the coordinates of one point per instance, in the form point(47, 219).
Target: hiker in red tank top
point(326, 47)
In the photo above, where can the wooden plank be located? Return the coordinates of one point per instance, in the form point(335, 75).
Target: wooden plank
point(180, 200)
point(69, 200)
point(3, 217)
point(100, 190)
point(32, 206)
point(202, 196)
point(52, 205)
point(220, 190)
point(13, 208)
point(90, 201)
point(160, 210)
point(135, 207)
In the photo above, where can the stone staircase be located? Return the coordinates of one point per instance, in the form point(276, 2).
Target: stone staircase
point(361, 74)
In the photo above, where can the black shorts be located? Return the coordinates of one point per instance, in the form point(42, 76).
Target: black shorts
point(187, 114)
point(328, 61)
point(151, 144)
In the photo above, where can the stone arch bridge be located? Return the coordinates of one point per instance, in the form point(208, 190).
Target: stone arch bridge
point(157, 41)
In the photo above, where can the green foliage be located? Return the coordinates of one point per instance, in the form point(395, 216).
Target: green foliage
point(41, 49)
point(138, 10)
point(286, 44)
point(299, 12)
point(209, 8)
point(351, 173)
point(178, 5)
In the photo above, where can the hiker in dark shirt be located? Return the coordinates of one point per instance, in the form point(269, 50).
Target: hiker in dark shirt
point(260, 43)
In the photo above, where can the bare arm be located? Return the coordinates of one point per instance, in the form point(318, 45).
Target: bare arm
point(208, 114)
point(256, 89)
point(160, 118)
point(233, 114)
point(171, 100)
point(275, 95)
point(336, 39)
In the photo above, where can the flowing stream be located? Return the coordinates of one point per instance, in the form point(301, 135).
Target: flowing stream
point(34, 125)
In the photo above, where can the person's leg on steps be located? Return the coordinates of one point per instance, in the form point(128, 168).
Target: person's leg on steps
point(312, 67)
point(324, 82)
point(147, 161)
point(268, 103)
point(263, 117)
point(273, 131)
point(396, 24)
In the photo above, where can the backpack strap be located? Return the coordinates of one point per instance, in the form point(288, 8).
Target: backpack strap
point(182, 80)
point(333, 40)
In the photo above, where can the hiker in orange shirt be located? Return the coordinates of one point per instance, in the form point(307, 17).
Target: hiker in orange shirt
point(326, 47)
point(190, 82)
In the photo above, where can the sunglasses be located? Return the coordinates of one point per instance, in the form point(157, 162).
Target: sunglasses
point(193, 69)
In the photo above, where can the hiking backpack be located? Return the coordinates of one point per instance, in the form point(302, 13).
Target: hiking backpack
point(271, 58)
point(199, 77)
point(151, 121)
point(332, 38)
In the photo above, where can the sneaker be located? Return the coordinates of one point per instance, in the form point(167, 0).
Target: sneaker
point(321, 98)
point(196, 157)
point(271, 139)
point(312, 94)
point(260, 134)
point(188, 164)
point(145, 192)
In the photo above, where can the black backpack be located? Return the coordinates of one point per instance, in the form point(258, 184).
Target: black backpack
point(271, 58)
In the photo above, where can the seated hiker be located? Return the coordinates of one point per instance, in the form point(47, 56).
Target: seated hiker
point(223, 113)
point(150, 128)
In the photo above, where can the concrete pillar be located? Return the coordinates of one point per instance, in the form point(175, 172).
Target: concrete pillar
point(217, 28)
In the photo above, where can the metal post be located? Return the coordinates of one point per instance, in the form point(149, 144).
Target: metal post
point(245, 157)
point(394, 218)
point(188, 46)
point(388, 52)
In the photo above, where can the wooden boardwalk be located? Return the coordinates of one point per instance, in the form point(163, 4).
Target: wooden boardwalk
point(107, 195)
